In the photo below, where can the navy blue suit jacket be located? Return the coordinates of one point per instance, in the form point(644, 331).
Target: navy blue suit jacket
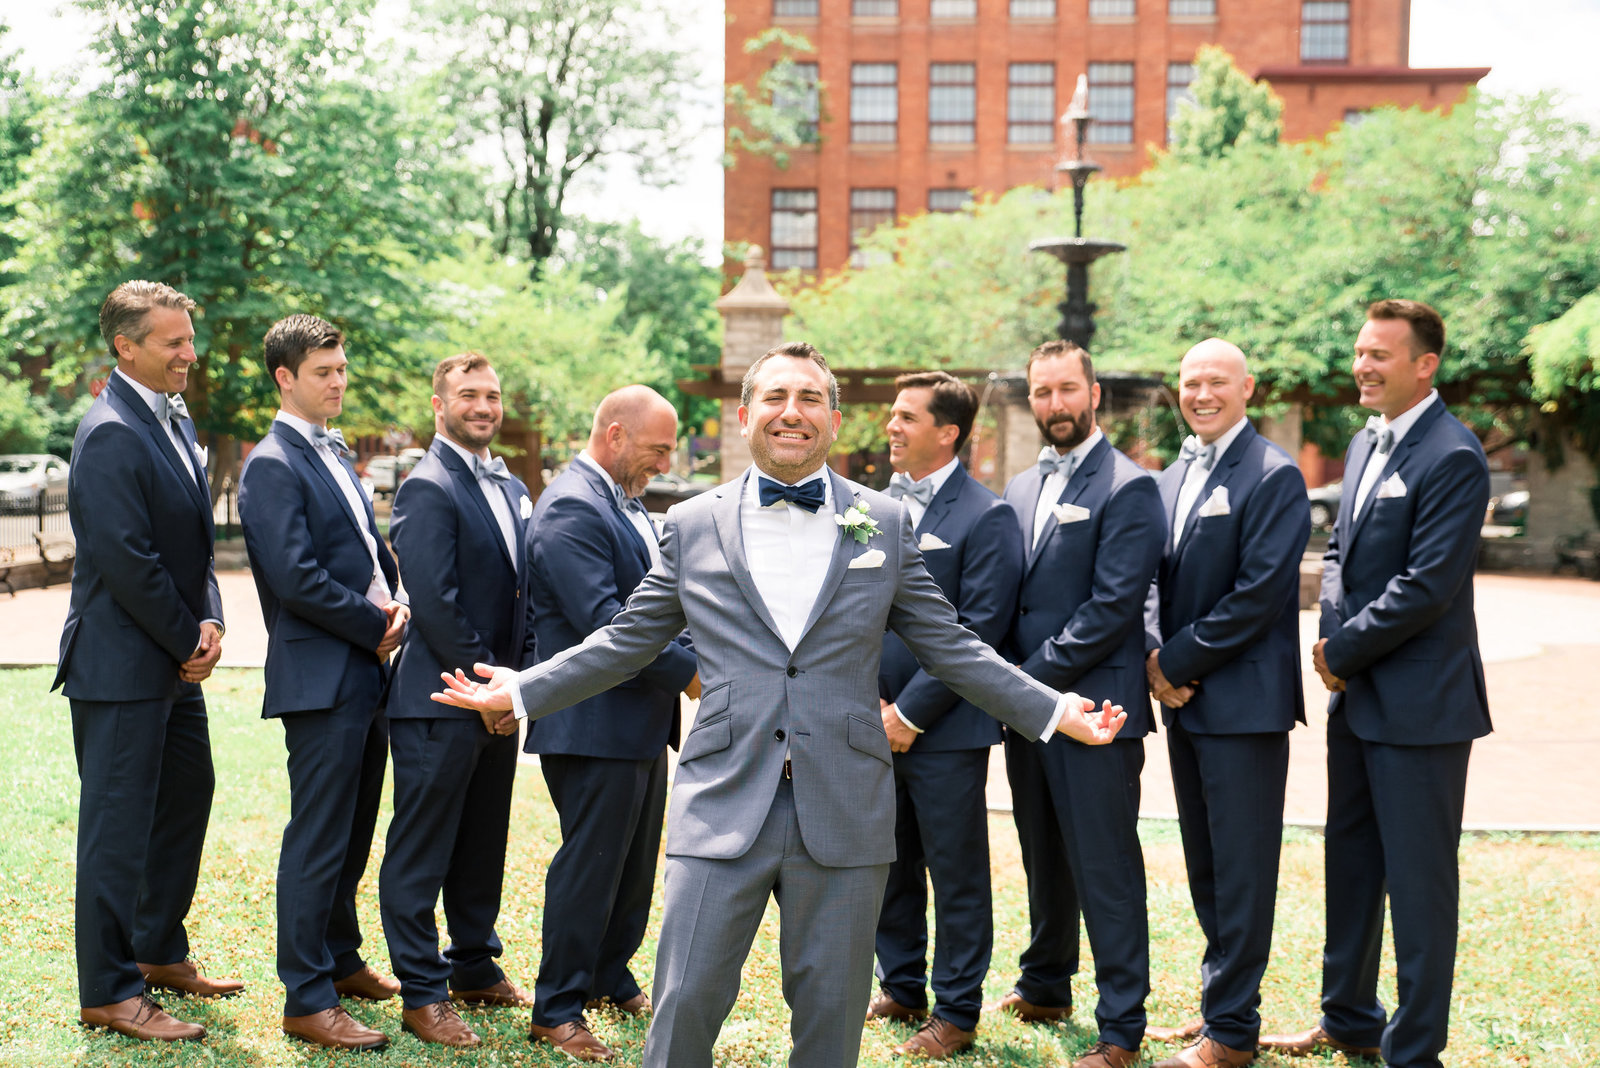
point(1080, 611)
point(468, 595)
point(1230, 593)
point(1397, 589)
point(586, 559)
point(978, 571)
point(312, 570)
point(143, 578)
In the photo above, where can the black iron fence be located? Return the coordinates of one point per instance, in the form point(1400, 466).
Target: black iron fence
point(23, 515)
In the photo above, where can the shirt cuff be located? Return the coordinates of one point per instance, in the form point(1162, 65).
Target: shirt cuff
point(916, 729)
point(1055, 718)
point(221, 630)
point(517, 707)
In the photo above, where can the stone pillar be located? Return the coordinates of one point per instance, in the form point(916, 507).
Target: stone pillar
point(752, 324)
point(1558, 500)
point(1286, 430)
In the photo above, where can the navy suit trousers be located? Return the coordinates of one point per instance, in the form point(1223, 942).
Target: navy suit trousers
point(144, 803)
point(452, 812)
point(336, 764)
point(598, 887)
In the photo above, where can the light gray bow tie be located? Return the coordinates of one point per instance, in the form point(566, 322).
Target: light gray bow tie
point(1051, 461)
point(1194, 452)
point(1382, 435)
point(495, 469)
point(170, 406)
point(331, 438)
point(902, 485)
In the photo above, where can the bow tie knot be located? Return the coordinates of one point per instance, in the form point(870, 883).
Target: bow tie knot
point(1195, 452)
point(1051, 462)
point(1383, 437)
point(332, 439)
point(171, 407)
point(807, 495)
point(495, 469)
point(902, 485)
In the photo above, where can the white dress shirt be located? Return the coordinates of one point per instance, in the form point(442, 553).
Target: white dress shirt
point(1056, 483)
point(915, 508)
point(378, 591)
point(492, 494)
point(637, 517)
point(154, 399)
point(1375, 463)
point(1194, 480)
point(789, 550)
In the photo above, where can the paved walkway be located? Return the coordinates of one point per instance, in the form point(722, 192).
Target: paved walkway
point(1540, 637)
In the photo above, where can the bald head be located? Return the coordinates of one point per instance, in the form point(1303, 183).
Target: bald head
point(1214, 388)
point(634, 434)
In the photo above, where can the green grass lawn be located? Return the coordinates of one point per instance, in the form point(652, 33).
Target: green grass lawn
point(1526, 989)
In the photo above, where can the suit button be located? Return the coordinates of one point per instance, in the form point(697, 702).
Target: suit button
point(793, 671)
point(778, 734)
point(1022, 611)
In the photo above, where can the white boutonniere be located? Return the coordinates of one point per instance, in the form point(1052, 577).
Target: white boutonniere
point(856, 523)
point(527, 507)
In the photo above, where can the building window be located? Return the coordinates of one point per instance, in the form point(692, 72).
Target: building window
point(800, 100)
point(1031, 104)
point(1111, 103)
point(1180, 77)
point(874, 103)
point(1192, 8)
point(871, 8)
point(1324, 32)
point(869, 209)
point(952, 103)
point(948, 199)
point(794, 229)
point(794, 9)
point(1033, 9)
point(953, 9)
point(1111, 9)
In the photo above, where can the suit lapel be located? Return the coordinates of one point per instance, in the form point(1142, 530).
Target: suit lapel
point(730, 532)
point(608, 508)
point(515, 494)
point(843, 549)
point(942, 502)
point(1396, 457)
point(309, 454)
point(469, 485)
point(183, 469)
point(1075, 487)
point(1221, 473)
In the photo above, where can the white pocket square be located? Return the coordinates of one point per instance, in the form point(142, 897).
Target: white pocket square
point(204, 454)
point(870, 558)
point(527, 507)
point(1070, 513)
point(1391, 487)
point(932, 541)
point(1216, 504)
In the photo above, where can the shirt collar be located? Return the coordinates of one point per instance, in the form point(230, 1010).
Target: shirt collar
point(146, 394)
point(302, 425)
point(1408, 419)
point(462, 451)
point(1082, 449)
point(939, 477)
point(752, 490)
point(594, 465)
point(1225, 442)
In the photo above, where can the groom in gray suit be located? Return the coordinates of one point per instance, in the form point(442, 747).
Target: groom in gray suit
point(787, 578)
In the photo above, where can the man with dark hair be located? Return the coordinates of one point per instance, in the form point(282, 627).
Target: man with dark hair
point(787, 578)
point(458, 526)
point(604, 759)
point(144, 629)
point(969, 542)
point(1399, 656)
point(1091, 519)
point(326, 582)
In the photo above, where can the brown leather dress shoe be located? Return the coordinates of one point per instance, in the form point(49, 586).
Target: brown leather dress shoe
point(1182, 1033)
point(140, 1017)
point(367, 985)
point(1027, 1011)
point(184, 978)
point(503, 995)
point(638, 1005)
point(1106, 1055)
point(573, 1039)
point(883, 1006)
point(1209, 1053)
point(439, 1023)
point(936, 1040)
point(1313, 1041)
point(334, 1029)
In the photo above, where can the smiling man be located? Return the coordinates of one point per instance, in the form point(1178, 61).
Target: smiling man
point(326, 582)
point(143, 631)
point(1224, 661)
point(787, 578)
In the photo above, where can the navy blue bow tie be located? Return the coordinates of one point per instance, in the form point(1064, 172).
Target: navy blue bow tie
point(331, 438)
point(807, 495)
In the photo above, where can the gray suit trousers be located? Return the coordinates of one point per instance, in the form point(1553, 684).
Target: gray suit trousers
point(713, 909)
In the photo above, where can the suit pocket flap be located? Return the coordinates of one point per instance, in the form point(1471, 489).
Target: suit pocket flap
point(869, 738)
point(707, 736)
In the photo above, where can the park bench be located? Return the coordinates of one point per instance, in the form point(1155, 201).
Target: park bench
point(56, 552)
point(1581, 552)
point(7, 557)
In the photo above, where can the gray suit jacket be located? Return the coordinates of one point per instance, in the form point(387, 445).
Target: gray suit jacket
point(817, 705)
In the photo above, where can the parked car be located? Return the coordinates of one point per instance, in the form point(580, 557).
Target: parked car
point(1509, 509)
point(666, 490)
point(23, 476)
point(1325, 504)
point(385, 473)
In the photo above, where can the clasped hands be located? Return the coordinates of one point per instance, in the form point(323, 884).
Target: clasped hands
point(1161, 688)
point(1319, 660)
point(394, 629)
point(205, 656)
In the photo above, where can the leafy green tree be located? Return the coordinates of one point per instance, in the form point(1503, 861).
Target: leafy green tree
point(20, 108)
point(249, 155)
point(557, 89)
point(781, 111)
point(1229, 108)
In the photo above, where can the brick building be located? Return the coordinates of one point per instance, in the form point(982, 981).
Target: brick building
point(923, 100)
